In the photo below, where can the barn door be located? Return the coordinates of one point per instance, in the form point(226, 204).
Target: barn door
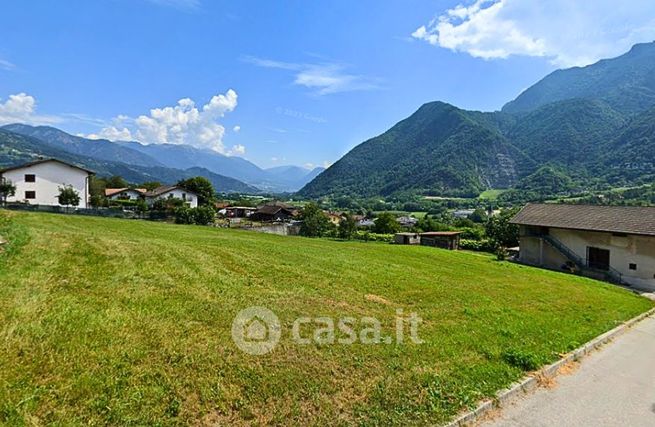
point(598, 258)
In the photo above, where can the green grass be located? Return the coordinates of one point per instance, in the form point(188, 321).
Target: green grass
point(491, 195)
point(107, 321)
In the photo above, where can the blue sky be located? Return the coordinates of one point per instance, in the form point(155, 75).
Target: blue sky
point(294, 82)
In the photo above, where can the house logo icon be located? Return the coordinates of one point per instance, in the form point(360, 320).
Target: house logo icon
point(256, 330)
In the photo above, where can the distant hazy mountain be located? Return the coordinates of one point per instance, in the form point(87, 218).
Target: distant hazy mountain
point(171, 156)
point(183, 156)
point(280, 179)
point(576, 129)
point(16, 148)
point(98, 149)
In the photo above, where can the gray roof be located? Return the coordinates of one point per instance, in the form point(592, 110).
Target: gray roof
point(38, 162)
point(613, 219)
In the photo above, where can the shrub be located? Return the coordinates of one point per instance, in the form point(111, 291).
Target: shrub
point(204, 215)
point(484, 245)
point(68, 196)
point(373, 237)
point(184, 215)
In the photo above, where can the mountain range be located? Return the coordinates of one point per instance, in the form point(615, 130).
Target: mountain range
point(579, 128)
point(139, 163)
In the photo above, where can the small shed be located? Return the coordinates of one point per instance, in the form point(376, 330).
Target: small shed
point(406, 239)
point(271, 213)
point(441, 239)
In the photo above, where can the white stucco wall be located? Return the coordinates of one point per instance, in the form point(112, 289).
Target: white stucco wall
point(178, 193)
point(131, 194)
point(50, 176)
point(632, 249)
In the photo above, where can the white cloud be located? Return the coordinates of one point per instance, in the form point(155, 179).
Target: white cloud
point(236, 129)
point(237, 150)
point(185, 5)
point(568, 33)
point(6, 65)
point(21, 108)
point(323, 78)
point(183, 123)
point(112, 133)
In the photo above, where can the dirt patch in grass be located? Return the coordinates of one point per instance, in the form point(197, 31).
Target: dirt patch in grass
point(377, 298)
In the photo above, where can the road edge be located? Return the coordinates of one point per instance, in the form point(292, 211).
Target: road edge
point(531, 382)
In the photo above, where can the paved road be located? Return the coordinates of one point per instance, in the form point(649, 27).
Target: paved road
point(614, 386)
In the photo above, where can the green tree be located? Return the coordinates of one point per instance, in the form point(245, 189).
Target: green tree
point(501, 232)
point(204, 215)
point(97, 186)
point(141, 206)
point(68, 196)
point(347, 227)
point(150, 185)
point(479, 216)
point(116, 182)
point(7, 189)
point(201, 187)
point(97, 201)
point(386, 223)
point(314, 221)
point(185, 215)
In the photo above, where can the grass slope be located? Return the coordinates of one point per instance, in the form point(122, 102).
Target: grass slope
point(121, 322)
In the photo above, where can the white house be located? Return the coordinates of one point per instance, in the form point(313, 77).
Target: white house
point(614, 243)
point(172, 192)
point(38, 182)
point(125, 193)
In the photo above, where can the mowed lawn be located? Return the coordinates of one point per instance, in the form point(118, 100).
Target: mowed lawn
point(106, 321)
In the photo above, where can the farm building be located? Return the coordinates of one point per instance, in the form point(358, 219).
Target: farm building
point(407, 239)
point(441, 239)
point(613, 243)
point(39, 182)
point(239, 211)
point(271, 213)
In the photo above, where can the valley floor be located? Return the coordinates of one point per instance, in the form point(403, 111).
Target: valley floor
point(107, 321)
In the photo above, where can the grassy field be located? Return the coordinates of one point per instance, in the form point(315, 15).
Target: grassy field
point(491, 195)
point(106, 321)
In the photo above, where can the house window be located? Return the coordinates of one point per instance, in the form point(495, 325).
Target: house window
point(30, 194)
point(598, 258)
point(183, 196)
point(633, 266)
point(30, 177)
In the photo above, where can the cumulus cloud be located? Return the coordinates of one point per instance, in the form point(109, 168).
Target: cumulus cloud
point(183, 123)
point(236, 129)
point(237, 150)
point(112, 133)
point(322, 78)
point(568, 33)
point(21, 108)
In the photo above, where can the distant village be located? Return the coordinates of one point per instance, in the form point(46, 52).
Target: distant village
point(611, 243)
